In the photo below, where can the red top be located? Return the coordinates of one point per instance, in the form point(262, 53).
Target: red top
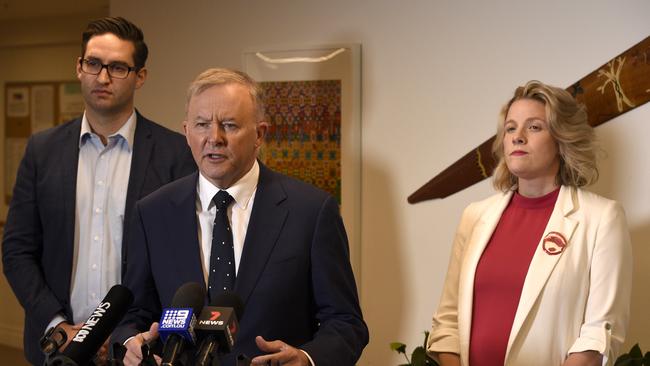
point(500, 275)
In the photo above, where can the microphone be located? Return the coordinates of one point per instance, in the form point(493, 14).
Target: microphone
point(177, 322)
point(85, 344)
point(218, 326)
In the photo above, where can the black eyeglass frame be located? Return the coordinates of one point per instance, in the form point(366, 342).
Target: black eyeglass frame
point(107, 67)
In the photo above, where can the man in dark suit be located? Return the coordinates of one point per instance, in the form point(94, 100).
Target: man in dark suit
point(289, 245)
point(77, 184)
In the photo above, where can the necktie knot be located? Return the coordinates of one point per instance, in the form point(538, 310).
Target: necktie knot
point(222, 200)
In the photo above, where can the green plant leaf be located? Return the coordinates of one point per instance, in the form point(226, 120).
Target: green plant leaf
point(419, 357)
point(623, 360)
point(627, 360)
point(635, 352)
point(398, 347)
point(426, 336)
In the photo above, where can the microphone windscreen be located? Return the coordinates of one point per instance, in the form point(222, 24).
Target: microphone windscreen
point(190, 295)
point(101, 323)
point(229, 299)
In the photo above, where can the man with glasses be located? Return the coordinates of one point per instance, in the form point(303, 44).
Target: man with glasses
point(63, 247)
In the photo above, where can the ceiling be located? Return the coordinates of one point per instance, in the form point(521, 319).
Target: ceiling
point(25, 9)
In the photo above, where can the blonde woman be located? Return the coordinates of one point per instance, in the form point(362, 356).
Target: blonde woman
point(540, 273)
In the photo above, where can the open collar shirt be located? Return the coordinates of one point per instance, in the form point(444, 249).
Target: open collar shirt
point(102, 182)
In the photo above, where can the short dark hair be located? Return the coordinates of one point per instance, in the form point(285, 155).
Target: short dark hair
point(124, 30)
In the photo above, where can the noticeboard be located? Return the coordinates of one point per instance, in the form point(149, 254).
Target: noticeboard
point(31, 107)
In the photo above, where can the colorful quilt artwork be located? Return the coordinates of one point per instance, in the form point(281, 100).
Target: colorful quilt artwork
point(304, 137)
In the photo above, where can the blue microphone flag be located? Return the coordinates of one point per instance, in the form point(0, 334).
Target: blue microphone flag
point(177, 321)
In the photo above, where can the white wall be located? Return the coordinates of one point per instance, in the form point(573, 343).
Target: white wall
point(42, 49)
point(434, 76)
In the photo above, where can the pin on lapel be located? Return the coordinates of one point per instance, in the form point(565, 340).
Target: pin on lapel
point(554, 243)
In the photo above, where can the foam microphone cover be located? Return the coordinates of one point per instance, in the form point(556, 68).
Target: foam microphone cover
point(98, 327)
point(229, 299)
point(190, 295)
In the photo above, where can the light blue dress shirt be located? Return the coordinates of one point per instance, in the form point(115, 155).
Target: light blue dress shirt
point(102, 181)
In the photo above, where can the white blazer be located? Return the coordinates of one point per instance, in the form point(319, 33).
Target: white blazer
point(573, 300)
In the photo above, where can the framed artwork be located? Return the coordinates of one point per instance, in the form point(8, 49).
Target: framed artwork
point(313, 98)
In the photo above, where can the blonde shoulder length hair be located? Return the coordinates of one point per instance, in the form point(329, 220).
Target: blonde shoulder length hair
point(568, 125)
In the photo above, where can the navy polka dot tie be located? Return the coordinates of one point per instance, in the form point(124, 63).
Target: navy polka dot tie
point(222, 253)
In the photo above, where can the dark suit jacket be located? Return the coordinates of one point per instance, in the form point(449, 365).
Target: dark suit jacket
point(38, 242)
point(294, 277)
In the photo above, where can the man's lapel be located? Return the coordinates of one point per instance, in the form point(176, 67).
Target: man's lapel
point(67, 166)
point(544, 261)
point(142, 146)
point(266, 222)
point(183, 229)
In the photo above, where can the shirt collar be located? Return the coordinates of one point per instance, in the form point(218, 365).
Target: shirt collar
point(127, 131)
point(241, 191)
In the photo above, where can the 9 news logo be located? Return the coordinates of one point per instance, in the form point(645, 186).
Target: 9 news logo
point(175, 318)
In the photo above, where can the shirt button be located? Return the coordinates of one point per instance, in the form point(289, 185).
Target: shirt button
point(100, 182)
point(96, 238)
point(98, 210)
point(94, 267)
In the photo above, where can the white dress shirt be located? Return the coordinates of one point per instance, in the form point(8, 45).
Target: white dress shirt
point(239, 213)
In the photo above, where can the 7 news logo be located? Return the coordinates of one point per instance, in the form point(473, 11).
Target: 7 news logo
point(214, 315)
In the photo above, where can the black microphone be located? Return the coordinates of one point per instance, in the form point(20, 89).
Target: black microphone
point(218, 326)
point(85, 344)
point(177, 323)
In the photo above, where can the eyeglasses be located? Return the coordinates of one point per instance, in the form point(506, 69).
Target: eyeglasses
point(115, 70)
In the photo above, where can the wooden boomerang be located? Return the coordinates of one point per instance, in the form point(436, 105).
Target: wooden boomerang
point(618, 86)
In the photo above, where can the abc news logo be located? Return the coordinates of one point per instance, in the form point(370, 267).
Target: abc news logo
point(92, 321)
point(175, 318)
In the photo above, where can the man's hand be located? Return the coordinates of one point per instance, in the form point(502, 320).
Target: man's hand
point(280, 353)
point(70, 331)
point(133, 355)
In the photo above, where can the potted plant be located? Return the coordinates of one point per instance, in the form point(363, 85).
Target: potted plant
point(419, 356)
